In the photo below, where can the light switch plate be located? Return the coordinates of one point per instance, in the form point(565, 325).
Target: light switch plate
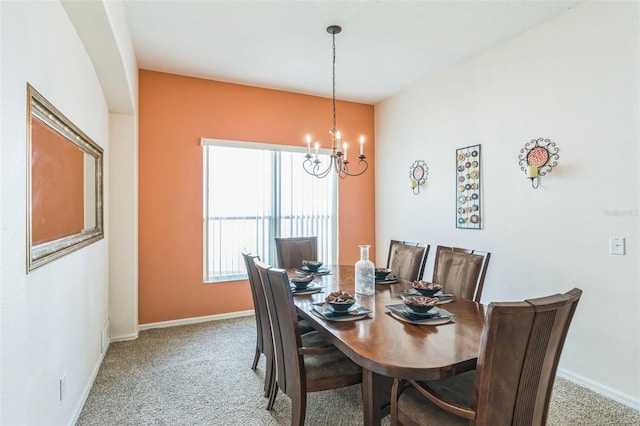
point(616, 245)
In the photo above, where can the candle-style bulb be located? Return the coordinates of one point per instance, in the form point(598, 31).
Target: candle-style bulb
point(338, 135)
point(362, 145)
point(345, 151)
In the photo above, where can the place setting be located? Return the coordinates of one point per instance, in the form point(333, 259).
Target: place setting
point(313, 267)
point(425, 288)
point(340, 306)
point(420, 310)
point(302, 285)
point(383, 276)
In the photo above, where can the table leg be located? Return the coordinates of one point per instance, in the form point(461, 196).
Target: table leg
point(376, 391)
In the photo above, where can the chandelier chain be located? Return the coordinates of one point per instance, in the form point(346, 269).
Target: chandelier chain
point(334, 85)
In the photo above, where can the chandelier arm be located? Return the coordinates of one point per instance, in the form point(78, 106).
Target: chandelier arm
point(312, 167)
point(336, 164)
point(343, 168)
point(366, 166)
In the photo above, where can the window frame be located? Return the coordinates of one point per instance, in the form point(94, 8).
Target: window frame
point(276, 187)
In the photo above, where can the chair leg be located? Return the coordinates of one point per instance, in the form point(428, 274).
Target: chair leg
point(298, 409)
point(256, 358)
point(269, 376)
point(273, 391)
point(396, 390)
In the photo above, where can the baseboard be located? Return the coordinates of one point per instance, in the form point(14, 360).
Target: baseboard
point(600, 389)
point(196, 320)
point(123, 337)
point(87, 388)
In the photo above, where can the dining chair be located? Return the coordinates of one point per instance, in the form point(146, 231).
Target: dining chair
point(407, 260)
point(292, 251)
point(259, 306)
point(461, 271)
point(264, 341)
point(300, 367)
point(519, 352)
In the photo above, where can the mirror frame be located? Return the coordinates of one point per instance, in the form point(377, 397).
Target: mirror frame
point(37, 255)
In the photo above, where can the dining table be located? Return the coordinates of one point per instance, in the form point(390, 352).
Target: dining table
point(387, 346)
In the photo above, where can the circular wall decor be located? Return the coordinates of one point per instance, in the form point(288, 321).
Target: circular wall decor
point(418, 173)
point(537, 158)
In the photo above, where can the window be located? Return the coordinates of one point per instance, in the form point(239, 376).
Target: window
point(256, 192)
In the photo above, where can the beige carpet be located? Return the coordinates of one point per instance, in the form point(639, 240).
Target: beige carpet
point(201, 375)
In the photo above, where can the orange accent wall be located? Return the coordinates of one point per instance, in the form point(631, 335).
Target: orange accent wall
point(57, 185)
point(175, 112)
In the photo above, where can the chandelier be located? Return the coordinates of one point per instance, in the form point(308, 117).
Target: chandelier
point(338, 161)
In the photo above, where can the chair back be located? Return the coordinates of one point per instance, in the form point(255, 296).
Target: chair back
point(461, 271)
point(259, 303)
point(407, 260)
point(290, 373)
point(292, 251)
point(519, 353)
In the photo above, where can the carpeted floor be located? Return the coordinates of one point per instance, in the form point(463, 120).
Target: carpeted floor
point(201, 375)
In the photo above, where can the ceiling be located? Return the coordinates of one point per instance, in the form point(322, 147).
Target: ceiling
point(384, 46)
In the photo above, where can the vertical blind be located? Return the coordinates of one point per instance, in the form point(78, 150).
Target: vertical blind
point(256, 192)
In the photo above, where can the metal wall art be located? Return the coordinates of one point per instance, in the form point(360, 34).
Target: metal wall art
point(537, 158)
point(468, 182)
point(418, 173)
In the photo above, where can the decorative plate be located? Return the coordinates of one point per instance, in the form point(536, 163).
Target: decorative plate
point(321, 271)
point(440, 316)
point(311, 288)
point(387, 280)
point(353, 315)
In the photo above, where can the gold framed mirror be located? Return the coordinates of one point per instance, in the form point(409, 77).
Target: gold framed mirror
point(64, 184)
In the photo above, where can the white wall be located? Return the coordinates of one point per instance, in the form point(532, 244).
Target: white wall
point(51, 319)
point(122, 82)
point(575, 80)
point(123, 247)
point(104, 31)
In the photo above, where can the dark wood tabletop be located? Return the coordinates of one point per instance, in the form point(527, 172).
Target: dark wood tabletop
point(386, 347)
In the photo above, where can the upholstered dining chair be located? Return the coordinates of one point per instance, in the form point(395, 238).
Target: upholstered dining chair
point(292, 251)
point(512, 383)
point(300, 367)
point(264, 341)
point(461, 271)
point(407, 259)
